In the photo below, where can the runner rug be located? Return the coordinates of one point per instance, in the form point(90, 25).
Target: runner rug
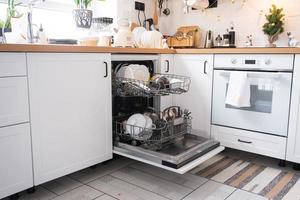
point(269, 182)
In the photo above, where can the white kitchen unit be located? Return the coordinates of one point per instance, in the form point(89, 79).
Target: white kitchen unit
point(260, 127)
point(15, 142)
point(16, 162)
point(198, 99)
point(166, 66)
point(12, 64)
point(293, 145)
point(14, 101)
point(70, 102)
point(250, 141)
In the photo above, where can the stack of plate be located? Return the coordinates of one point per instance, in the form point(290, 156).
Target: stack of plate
point(139, 126)
point(134, 71)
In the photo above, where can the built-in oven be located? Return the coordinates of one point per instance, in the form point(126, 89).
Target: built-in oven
point(270, 81)
point(167, 142)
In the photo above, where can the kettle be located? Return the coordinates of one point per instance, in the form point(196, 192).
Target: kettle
point(124, 36)
point(209, 40)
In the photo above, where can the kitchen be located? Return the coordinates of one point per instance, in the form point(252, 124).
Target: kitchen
point(186, 101)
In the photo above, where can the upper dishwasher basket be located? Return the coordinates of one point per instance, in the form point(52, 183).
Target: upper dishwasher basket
point(158, 85)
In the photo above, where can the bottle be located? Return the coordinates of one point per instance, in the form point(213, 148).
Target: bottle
point(232, 36)
point(42, 39)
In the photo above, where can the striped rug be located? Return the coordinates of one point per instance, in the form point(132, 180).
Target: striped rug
point(269, 182)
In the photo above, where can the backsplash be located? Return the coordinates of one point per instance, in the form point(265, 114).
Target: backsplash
point(248, 18)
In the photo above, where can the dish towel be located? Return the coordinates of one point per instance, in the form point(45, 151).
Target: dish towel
point(238, 93)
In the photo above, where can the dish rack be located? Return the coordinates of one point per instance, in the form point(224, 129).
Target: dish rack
point(131, 87)
point(153, 138)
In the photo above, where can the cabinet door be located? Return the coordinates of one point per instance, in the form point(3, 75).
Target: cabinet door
point(293, 145)
point(14, 107)
point(15, 157)
point(70, 102)
point(12, 64)
point(198, 98)
point(166, 66)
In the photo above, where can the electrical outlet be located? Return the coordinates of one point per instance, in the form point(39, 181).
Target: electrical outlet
point(139, 6)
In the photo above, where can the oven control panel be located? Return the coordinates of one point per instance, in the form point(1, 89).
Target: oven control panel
point(269, 62)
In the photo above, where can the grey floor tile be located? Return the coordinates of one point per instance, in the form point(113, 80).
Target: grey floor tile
point(106, 197)
point(211, 191)
point(39, 194)
point(240, 194)
point(187, 180)
point(152, 183)
point(123, 190)
point(82, 193)
point(62, 185)
point(88, 175)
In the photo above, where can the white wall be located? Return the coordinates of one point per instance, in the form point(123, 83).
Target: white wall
point(247, 19)
point(126, 10)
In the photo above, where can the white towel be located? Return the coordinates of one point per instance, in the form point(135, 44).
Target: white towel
point(238, 93)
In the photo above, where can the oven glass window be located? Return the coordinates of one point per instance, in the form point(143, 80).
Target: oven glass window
point(260, 99)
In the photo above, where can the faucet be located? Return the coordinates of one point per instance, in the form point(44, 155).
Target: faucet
point(30, 35)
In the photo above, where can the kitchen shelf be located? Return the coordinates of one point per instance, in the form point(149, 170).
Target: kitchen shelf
point(169, 84)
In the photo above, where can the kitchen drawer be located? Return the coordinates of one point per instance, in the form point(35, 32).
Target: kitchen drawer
point(14, 107)
point(12, 64)
point(268, 145)
point(15, 158)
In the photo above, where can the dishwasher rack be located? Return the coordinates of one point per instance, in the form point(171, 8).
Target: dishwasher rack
point(152, 138)
point(172, 84)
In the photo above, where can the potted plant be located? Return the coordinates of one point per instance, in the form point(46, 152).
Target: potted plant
point(82, 15)
point(274, 25)
point(11, 12)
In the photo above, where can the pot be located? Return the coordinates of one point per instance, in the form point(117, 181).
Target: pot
point(83, 18)
point(5, 31)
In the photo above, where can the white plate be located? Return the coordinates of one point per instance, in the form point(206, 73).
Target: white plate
point(137, 72)
point(135, 124)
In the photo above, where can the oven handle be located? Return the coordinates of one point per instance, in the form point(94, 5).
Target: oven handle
point(272, 75)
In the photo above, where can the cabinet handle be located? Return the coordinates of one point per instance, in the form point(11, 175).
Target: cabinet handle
point(243, 141)
point(168, 66)
point(205, 66)
point(106, 69)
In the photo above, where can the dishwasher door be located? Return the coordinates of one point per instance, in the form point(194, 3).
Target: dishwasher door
point(181, 156)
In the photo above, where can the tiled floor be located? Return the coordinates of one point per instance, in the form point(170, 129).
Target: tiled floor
point(125, 179)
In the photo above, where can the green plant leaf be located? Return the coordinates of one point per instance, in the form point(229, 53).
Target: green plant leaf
point(275, 21)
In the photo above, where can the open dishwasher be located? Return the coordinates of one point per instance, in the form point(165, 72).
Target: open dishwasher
point(144, 132)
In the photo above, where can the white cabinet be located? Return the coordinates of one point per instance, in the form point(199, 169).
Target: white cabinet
point(15, 142)
point(12, 64)
point(293, 146)
point(71, 117)
point(166, 66)
point(250, 141)
point(14, 101)
point(15, 157)
point(198, 99)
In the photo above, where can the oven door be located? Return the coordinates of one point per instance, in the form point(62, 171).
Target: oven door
point(270, 102)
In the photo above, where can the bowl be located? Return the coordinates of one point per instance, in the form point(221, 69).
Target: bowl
point(89, 41)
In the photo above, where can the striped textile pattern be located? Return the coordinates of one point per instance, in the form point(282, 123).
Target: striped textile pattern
point(274, 184)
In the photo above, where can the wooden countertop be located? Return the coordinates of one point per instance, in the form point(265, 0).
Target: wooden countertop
point(92, 49)
point(79, 49)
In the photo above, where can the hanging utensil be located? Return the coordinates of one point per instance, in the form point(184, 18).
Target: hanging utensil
point(167, 11)
point(160, 5)
point(155, 16)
